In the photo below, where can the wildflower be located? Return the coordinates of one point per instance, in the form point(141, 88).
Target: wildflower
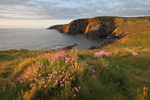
point(32, 84)
point(31, 79)
point(94, 76)
point(63, 80)
point(79, 87)
point(61, 84)
point(21, 81)
point(45, 86)
point(93, 70)
point(76, 89)
point(39, 75)
point(74, 95)
point(102, 53)
point(134, 53)
point(56, 72)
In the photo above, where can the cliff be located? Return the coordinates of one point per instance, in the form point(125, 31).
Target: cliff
point(106, 26)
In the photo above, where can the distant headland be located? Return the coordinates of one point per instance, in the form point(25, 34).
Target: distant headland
point(105, 26)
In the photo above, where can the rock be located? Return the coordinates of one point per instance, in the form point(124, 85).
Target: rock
point(92, 48)
point(70, 47)
point(105, 44)
point(54, 27)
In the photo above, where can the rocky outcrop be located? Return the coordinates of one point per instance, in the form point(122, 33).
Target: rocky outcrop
point(54, 27)
point(76, 27)
point(69, 47)
point(98, 27)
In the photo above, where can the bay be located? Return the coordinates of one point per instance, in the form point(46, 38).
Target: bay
point(43, 39)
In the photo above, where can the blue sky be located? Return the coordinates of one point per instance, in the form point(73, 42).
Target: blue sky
point(44, 13)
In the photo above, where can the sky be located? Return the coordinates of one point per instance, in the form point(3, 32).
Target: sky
point(45, 13)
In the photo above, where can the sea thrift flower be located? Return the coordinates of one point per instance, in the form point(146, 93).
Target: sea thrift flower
point(61, 84)
point(21, 81)
point(31, 79)
point(76, 89)
point(32, 84)
point(39, 75)
point(102, 53)
point(79, 87)
point(94, 76)
point(134, 53)
point(45, 86)
point(56, 72)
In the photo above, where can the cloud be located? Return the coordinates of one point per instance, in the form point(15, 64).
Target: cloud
point(71, 9)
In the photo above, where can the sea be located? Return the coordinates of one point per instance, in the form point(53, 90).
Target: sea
point(44, 39)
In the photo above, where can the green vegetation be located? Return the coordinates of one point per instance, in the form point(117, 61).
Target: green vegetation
point(122, 74)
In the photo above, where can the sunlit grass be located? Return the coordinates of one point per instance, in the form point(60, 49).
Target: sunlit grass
point(119, 71)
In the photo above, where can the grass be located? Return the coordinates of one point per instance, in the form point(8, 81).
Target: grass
point(78, 74)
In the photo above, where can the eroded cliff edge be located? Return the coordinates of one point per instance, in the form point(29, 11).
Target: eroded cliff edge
point(106, 26)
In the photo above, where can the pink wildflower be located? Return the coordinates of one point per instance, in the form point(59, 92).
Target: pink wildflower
point(94, 76)
point(45, 86)
point(134, 53)
point(32, 84)
point(76, 89)
point(56, 72)
point(102, 53)
point(79, 87)
point(61, 84)
point(39, 75)
point(21, 81)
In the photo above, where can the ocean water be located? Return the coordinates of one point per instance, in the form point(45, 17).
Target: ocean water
point(43, 39)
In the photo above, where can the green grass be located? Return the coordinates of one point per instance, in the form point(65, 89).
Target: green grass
point(30, 75)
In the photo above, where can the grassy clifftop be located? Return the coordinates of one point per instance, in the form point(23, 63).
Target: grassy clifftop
point(119, 71)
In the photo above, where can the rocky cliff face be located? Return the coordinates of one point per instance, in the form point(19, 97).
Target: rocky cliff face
point(106, 26)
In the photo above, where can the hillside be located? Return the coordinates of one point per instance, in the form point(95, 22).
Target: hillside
point(107, 26)
point(119, 71)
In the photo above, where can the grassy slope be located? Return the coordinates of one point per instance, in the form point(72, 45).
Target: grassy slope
point(121, 76)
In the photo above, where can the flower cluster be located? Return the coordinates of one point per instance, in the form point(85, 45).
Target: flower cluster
point(102, 53)
point(134, 53)
point(59, 69)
